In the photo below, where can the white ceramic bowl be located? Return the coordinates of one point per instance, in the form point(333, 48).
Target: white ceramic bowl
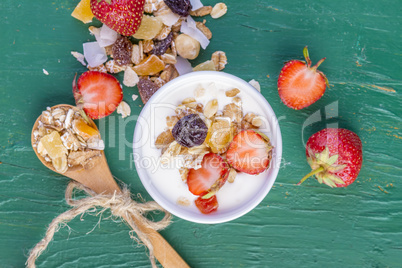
point(164, 183)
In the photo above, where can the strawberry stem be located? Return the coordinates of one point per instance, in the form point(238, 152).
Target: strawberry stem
point(318, 64)
point(313, 172)
point(306, 56)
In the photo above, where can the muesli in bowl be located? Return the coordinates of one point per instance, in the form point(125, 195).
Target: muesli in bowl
point(207, 147)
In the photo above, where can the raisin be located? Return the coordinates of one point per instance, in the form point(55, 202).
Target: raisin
point(190, 131)
point(180, 7)
point(122, 50)
point(160, 47)
point(146, 88)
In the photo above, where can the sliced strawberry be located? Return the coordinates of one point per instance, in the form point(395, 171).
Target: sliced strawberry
point(249, 152)
point(208, 205)
point(300, 85)
point(97, 93)
point(123, 16)
point(210, 177)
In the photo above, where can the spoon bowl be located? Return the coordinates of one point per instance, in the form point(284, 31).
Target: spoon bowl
point(98, 177)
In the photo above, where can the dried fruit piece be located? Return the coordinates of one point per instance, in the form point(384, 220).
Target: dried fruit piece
point(149, 66)
point(202, 11)
point(149, 28)
point(180, 7)
point(220, 60)
point(220, 135)
point(190, 131)
point(82, 129)
point(160, 47)
point(83, 11)
point(53, 145)
point(234, 112)
point(211, 108)
point(209, 65)
point(232, 92)
point(208, 205)
point(122, 51)
point(219, 10)
point(164, 139)
point(187, 47)
point(146, 88)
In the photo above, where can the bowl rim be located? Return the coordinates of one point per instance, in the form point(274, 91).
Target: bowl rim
point(251, 204)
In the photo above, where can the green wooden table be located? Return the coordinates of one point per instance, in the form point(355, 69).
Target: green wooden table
point(309, 225)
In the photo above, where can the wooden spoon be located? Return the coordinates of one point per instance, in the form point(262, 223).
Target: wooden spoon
point(100, 180)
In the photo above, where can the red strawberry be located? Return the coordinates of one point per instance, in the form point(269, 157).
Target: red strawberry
point(210, 177)
point(97, 93)
point(300, 85)
point(335, 155)
point(123, 16)
point(249, 152)
point(207, 206)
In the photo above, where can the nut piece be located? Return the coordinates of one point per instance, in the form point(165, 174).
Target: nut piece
point(232, 92)
point(187, 47)
point(204, 29)
point(220, 60)
point(211, 108)
point(202, 11)
point(123, 109)
point(219, 10)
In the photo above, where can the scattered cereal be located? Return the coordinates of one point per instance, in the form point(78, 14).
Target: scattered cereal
point(255, 84)
point(123, 109)
point(232, 92)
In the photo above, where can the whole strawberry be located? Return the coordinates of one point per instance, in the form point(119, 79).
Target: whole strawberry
point(299, 84)
point(335, 156)
point(123, 16)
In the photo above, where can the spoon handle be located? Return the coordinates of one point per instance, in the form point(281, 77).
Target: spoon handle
point(100, 180)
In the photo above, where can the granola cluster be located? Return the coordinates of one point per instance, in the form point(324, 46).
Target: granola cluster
point(222, 127)
point(65, 139)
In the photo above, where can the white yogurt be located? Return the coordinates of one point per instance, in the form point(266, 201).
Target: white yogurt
point(164, 183)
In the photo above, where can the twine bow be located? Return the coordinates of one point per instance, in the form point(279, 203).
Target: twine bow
point(120, 204)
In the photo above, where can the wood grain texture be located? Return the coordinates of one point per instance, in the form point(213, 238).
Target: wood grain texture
point(307, 226)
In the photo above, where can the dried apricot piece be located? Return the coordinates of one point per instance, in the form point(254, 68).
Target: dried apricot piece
point(149, 66)
point(53, 145)
point(149, 28)
point(84, 130)
point(83, 11)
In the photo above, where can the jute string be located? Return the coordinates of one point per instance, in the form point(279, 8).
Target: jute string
point(120, 204)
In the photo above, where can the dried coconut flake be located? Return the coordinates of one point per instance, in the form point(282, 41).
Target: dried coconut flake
point(255, 84)
point(80, 57)
point(189, 27)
